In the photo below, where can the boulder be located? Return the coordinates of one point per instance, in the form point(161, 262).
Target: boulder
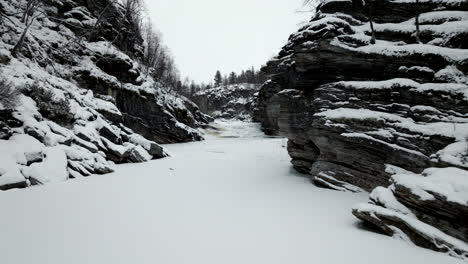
point(109, 133)
point(137, 154)
point(51, 170)
point(155, 150)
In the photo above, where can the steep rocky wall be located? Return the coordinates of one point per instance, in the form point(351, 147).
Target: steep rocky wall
point(81, 103)
point(352, 110)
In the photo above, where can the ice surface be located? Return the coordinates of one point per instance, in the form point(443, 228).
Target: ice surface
point(224, 200)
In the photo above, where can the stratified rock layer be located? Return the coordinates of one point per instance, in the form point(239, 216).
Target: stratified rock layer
point(351, 108)
point(429, 209)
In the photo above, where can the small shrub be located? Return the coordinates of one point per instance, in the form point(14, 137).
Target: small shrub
point(50, 107)
point(9, 95)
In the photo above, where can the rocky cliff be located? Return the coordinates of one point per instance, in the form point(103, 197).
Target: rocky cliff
point(74, 99)
point(362, 113)
point(232, 101)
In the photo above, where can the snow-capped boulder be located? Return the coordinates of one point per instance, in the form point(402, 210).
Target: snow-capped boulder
point(353, 107)
point(151, 147)
point(18, 151)
point(52, 169)
point(137, 154)
point(430, 209)
point(232, 101)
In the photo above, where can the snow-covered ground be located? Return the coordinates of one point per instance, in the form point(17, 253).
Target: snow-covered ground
point(225, 200)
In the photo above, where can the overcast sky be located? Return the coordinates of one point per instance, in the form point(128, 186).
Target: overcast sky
point(206, 35)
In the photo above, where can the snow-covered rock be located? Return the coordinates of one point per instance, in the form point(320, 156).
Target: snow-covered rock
point(232, 101)
point(83, 103)
point(52, 169)
point(430, 208)
point(352, 108)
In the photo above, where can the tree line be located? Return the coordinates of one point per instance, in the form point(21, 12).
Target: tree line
point(189, 87)
point(250, 76)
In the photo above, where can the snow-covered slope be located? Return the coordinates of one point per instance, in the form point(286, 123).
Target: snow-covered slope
point(79, 105)
point(218, 201)
point(359, 110)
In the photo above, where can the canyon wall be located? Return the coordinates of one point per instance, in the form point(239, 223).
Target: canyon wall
point(74, 99)
point(360, 113)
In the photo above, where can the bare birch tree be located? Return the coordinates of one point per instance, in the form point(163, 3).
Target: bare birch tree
point(29, 16)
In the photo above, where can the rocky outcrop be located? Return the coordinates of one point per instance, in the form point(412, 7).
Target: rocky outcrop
point(84, 104)
point(430, 210)
point(233, 101)
point(351, 108)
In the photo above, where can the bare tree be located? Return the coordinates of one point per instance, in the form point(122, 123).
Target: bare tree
point(310, 3)
point(133, 14)
point(157, 60)
point(416, 22)
point(153, 48)
point(369, 6)
point(29, 16)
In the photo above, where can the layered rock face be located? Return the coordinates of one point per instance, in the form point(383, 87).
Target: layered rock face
point(352, 109)
point(233, 101)
point(75, 104)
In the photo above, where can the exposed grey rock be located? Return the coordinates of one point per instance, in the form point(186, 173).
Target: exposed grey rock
point(151, 147)
point(110, 134)
point(78, 140)
point(156, 151)
point(5, 131)
point(137, 154)
point(17, 185)
point(114, 152)
point(35, 133)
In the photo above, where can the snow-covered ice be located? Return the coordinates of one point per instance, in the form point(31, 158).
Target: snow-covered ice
point(225, 200)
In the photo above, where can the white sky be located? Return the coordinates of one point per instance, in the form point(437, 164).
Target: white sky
point(207, 35)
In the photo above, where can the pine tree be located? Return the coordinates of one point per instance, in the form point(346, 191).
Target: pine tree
point(225, 80)
point(193, 88)
point(233, 78)
point(218, 80)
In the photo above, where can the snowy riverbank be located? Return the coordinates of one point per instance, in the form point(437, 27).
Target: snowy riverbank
point(225, 200)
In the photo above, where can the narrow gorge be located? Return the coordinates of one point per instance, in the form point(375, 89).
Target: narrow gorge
point(357, 140)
